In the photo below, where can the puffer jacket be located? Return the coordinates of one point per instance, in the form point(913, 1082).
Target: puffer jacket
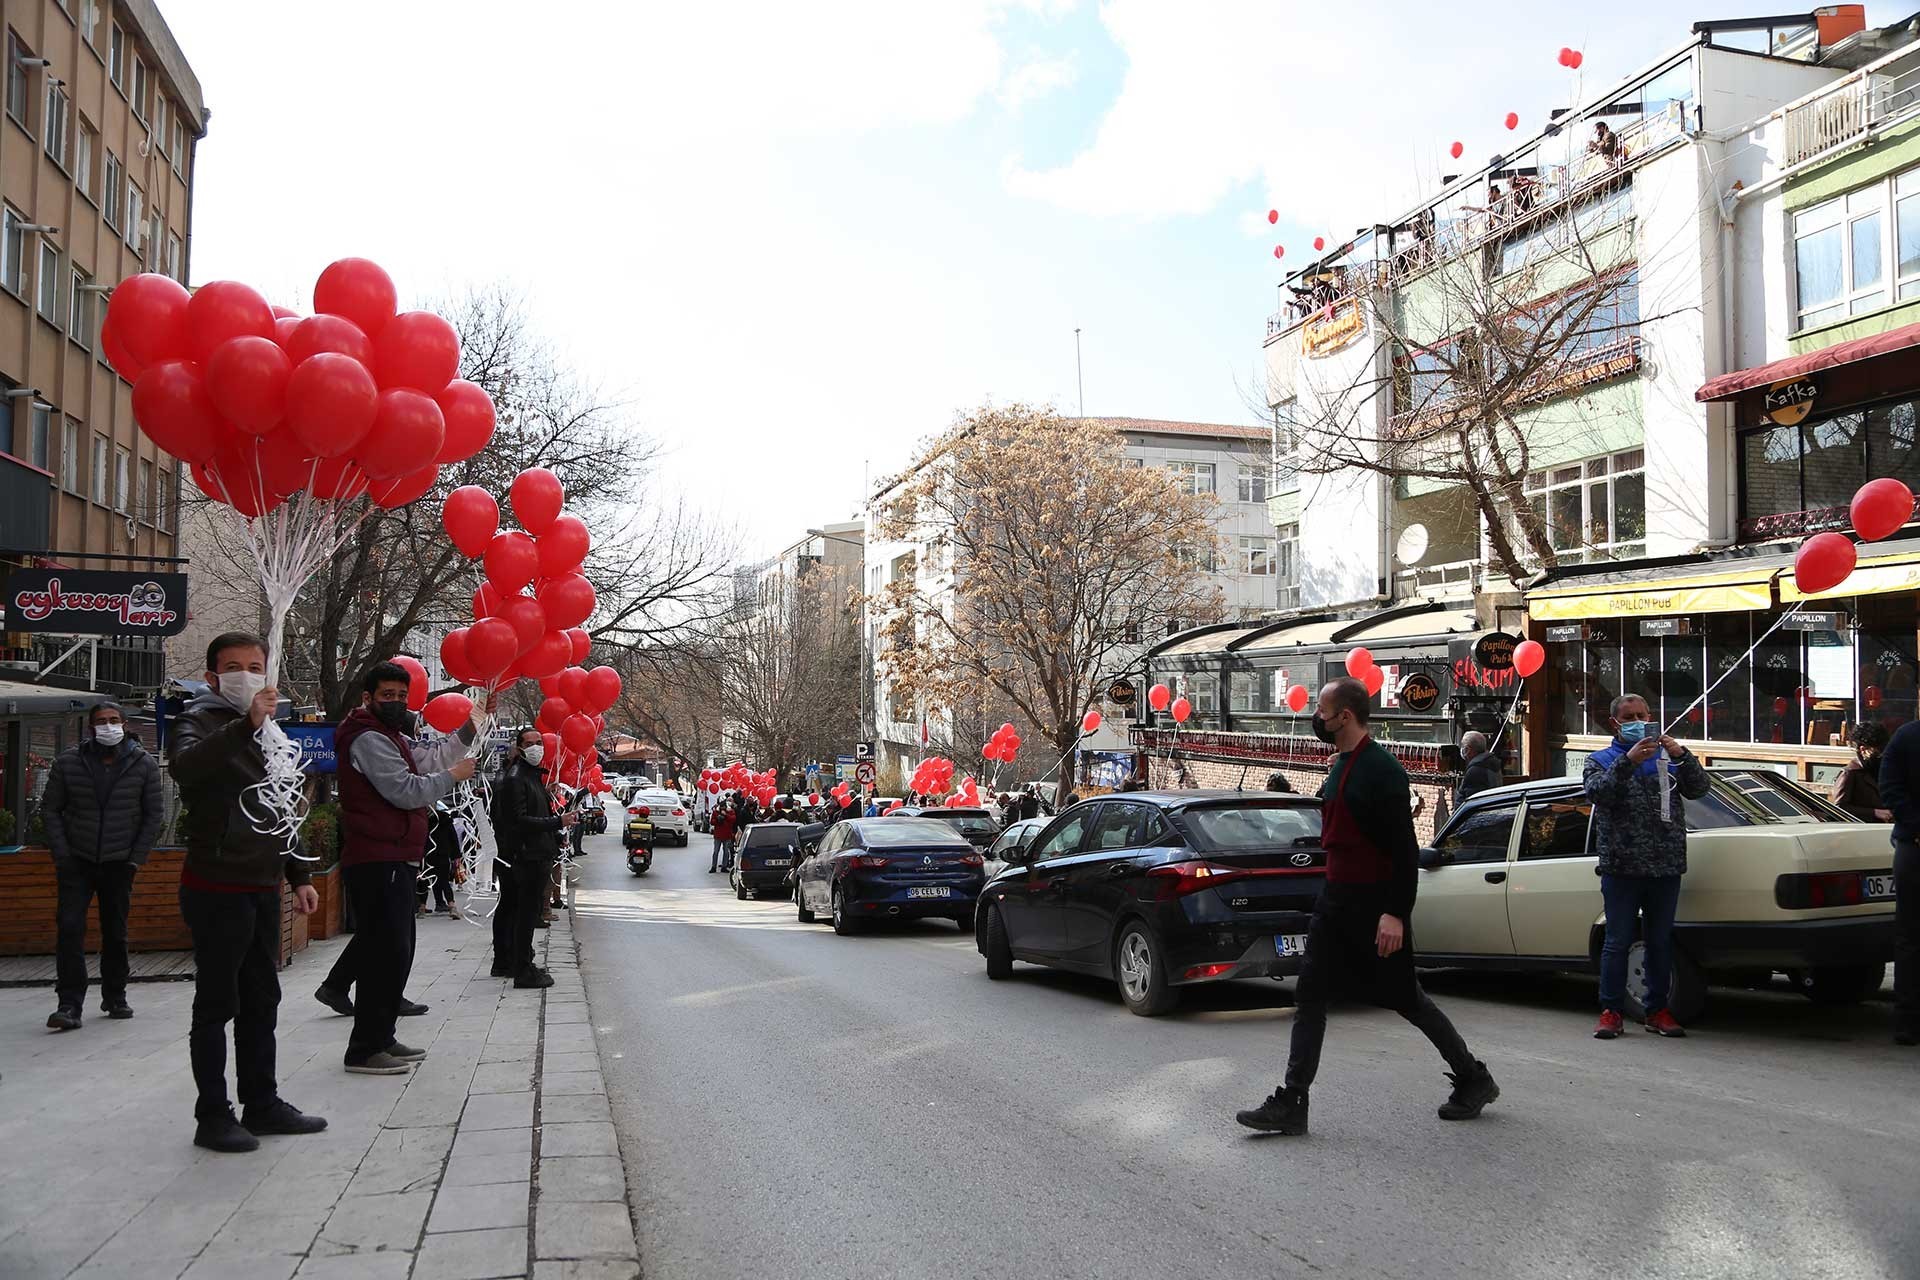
point(103, 804)
point(214, 760)
point(524, 822)
point(1629, 834)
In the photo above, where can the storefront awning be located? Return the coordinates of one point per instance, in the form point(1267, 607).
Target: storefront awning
point(1729, 385)
point(1749, 587)
point(1871, 576)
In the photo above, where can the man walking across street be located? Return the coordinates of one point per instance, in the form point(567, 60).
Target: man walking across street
point(103, 812)
point(1361, 940)
point(230, 899)
point(1640, 834)
point(528, 833)
point(1483, 767)
point(388, 788)
point(1900, 792)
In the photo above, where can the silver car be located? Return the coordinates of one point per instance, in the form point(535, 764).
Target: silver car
point(670, 811)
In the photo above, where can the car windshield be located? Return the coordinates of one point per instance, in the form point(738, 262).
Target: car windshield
point(971, 824)
point(778, 835)
point(899, 833)
point(1756, 798)
point(1228, 828)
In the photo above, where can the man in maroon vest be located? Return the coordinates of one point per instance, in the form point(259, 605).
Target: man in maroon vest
point(387, 791)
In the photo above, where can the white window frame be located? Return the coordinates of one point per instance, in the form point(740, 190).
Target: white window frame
point(1585, 473)
point(79, 304)
point(40, 433)
point(47, 279)
point(136, 214)
point(99, 490)
point(113, 175)
point(1187, 474)
point(1257, 558)
point(142, 89)
point(86, 143)
point(122, 477)
point(117, 58)
point(175, 263)
point(176, 144)
point(1253, 484)
point(13, 252)
point(147, 496)
point(1906, 192)
point(70, 455)
point(56, 114)
point(1883, 199)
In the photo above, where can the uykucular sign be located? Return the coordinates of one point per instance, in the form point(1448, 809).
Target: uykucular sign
point(92, 602)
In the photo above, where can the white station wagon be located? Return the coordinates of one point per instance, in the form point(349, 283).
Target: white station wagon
point(1778, 880)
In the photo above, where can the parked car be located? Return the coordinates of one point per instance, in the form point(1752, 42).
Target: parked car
point(872, 869)
point(1778, 880)
point(669, 812)
point(1011, 843)
point(1161, 890)
point(764, 857)
point(977, 825)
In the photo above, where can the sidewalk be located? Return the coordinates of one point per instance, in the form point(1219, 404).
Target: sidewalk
point(495, 1158)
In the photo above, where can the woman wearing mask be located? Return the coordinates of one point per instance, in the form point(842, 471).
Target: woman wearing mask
point(1857, 789)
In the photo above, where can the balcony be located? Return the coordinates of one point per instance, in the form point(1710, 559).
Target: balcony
point(1866, 101)
point(1794, 524)
point(26, 505)
point(1455, 580)
point(1597, 364)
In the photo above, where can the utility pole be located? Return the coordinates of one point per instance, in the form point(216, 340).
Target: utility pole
point(1079, 384)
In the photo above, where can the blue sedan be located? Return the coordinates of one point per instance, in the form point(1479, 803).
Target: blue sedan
point(872, 869)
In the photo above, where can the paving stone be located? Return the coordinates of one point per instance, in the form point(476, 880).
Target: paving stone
point(403, 1160)
point(473, 1255)
point(391, 1265)
point(497, 1111)
point(563, 1229)
point(555, 1063)
point(495, 1143)
point(581, 1178)
point(502, 1077)
point(369, 1224)
point(225, 1262)
point(477, 1171)
point(558, 1108)
point(475, 1208)
point(566, 1015)
point(585, 1269)
point(508, 1053)
point(579, 1138)
point(572, 1082)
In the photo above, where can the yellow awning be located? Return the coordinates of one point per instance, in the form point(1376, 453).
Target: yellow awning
point(1871, 576)
point(1747, 589)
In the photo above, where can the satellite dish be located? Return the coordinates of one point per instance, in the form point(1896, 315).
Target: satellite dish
point(1412, 544)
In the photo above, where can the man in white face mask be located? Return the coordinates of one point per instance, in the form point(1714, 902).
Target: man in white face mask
point(103, 812)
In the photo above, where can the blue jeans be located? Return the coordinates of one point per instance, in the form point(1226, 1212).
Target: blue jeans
point(1648, 901)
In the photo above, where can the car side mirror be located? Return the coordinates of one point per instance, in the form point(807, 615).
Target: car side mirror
point(1431, 858)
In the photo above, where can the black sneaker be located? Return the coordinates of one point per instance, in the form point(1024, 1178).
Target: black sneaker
point(119, 1009)
point(334, 999)
point(379, 1064)
point(1284, 1112)
point(65, 1018)
point(1471, 1094)
point(223, 1133)
point(533, 977)
point(1901, 1035)
point(405, 1054)
point(411, 1009)
point(501, 969)
point(280, 1116)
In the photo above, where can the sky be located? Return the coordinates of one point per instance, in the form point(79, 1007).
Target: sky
point(794, 239)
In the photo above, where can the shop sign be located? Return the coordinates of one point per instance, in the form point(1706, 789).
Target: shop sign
point(1473, 677)
point(316, 746)
point(1665, 627)
point(1420, 692)
point(1494, 651)
point(1788, 403)
point(93, 602)
point(1121, 693)
point(1828, 621)
point(1567, 635)
point(1326, 335)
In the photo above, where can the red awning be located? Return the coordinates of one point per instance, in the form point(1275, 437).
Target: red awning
point(1729, 385)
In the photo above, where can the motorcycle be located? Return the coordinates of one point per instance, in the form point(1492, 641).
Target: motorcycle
point(638, 839)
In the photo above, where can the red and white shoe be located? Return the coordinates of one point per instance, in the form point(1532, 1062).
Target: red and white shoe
point(1609, 1026)
point(1661, 1023)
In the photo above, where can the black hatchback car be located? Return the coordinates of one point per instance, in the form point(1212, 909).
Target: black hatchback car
point(867, 870)
point(764, 858)
point(1160, 890)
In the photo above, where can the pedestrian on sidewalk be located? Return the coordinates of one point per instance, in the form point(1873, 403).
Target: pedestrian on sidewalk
point(528, 833)
point(388, 787)
point(1900, 793)
point(1857, 789)
point(1640, 834)
point(1361, 939)
point(440, 873)
point(723, 829)
point(230, 898)
point(1483, 767)
point(103, 812)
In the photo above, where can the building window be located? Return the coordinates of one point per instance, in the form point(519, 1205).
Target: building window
point(50, 280)
point(136, 214)
point(1253, 484)
point(1554, 235)
point(122, 460)
point(17, 99)
point(1193, 477)
point(111, 178)
point(149, 498)
point(1200, 558)
point(100, 470)
point(87, 146)
point(41, 434)
point(1256, 557)
point(177, 144)
point(70, 456)
point(90, 22)
point(1857, 252)
point(1595, 510)
point(154, 245)
point(79, 306)
point(1243, 691)
point(140, 107)
point(117, 57)
point(1800, 479)
point(13, 252)
point(166, 500)
point(175, 267)
point(54, 123)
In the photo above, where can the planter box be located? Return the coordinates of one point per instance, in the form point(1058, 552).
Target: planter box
point(29, 896)
point(325, 922)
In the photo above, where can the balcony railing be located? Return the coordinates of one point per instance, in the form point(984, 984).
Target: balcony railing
point(1597, 364)
point(1438, 581)
point(1848, 113)
point(1794, 524)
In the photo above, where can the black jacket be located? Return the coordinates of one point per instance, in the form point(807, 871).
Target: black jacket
point(523, 818)
point(1484, 771)
point(1900, 780)
point(103, 804)
point(214, 760)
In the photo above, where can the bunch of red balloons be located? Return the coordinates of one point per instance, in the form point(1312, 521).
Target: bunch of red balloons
point(1879, 509)
point(1003, 746)
point(1361, 667)
point(738, 778)
point(932, 776)
point(966, 795)
point(841, 793)
point(263, 402)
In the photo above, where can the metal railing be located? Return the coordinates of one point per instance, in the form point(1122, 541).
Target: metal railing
point(1848, 112)
point(1438, 579)
point(1596, 364)
point(1794, 524)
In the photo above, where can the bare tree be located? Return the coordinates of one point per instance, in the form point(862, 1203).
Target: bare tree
point(790, 666)
point(671, 697)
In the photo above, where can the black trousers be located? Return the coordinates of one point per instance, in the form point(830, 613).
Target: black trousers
point(79, 882)
point(1906, 935)
point(236, 955)
point(382, 894)
point(1343, 958)
point(534, 872)
point(505, 913)
point(346, 966)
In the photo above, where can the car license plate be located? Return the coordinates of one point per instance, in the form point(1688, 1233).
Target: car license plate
point(1288, 945)
point(777, 862)
point(1876, 888)
point(928, 891)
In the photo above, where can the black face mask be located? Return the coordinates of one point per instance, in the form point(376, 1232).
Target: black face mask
point(394, 715)
point(1320, 729)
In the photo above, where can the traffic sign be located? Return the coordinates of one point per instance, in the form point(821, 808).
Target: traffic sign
point(865, 773)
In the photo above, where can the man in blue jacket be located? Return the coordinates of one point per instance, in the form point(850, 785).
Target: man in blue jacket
point(1636, 784)
point(1900, 792)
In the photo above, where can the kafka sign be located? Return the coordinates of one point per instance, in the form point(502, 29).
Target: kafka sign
point(89, 602)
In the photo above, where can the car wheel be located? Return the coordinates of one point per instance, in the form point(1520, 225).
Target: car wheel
point(740, 890)
point(1842, 983)
point(1686, 993)
point(994, 946)
point(1141, 973)
point(843, 922)
point(800, 908)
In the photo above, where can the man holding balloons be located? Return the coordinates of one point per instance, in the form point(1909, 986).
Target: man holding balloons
point(388, 787)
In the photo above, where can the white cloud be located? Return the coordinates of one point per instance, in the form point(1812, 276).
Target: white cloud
point(1036, 79)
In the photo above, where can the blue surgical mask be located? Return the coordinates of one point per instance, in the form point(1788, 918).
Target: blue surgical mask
point(1634, 730)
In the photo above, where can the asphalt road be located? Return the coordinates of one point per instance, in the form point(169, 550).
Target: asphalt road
point(792, 1103)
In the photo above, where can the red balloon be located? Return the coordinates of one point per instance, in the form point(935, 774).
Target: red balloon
point(1780, 706)
point(471, 517)
point(283, 327)
point(148, 314)
point(528, 620)
point(573, 687)
point(391, 495)
point(233, 477)
point(1090, 722)
point(578, 733)
point(536, 496)
point(246, 379)
point(1513, 119)
point(1566, 56)
point(223, 310)
point(171, 404)
point(1374, 679)
point(548, 655)
point(1273, 215)
point(1456, 149)
point(1823, 562)
point(449, 711)
point(602, 688)
point(1319, 243)
point(331, 404)
point(512, 560)
point(118, 356)
point(1881, 507)
point(453, 656)
point(358, 290)
point(1181, 710)
point(553, 714)
point(285, 313)
point(1297, 698)
point(569, 600)
point(1575, 58)
point(1157, 697)
point(470, 420)
point(337, 479)
point(329, 333)
point(551, 741)
point(487, 600)
point(564, 546)
point(1359, 660)
point(417, 350)
point(406, 435)
point(416, 679)
point(1279, 251)
point(582, 644)
point(550, 685)
point(1528, 657)
point(491, 645)
point(284, 466)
